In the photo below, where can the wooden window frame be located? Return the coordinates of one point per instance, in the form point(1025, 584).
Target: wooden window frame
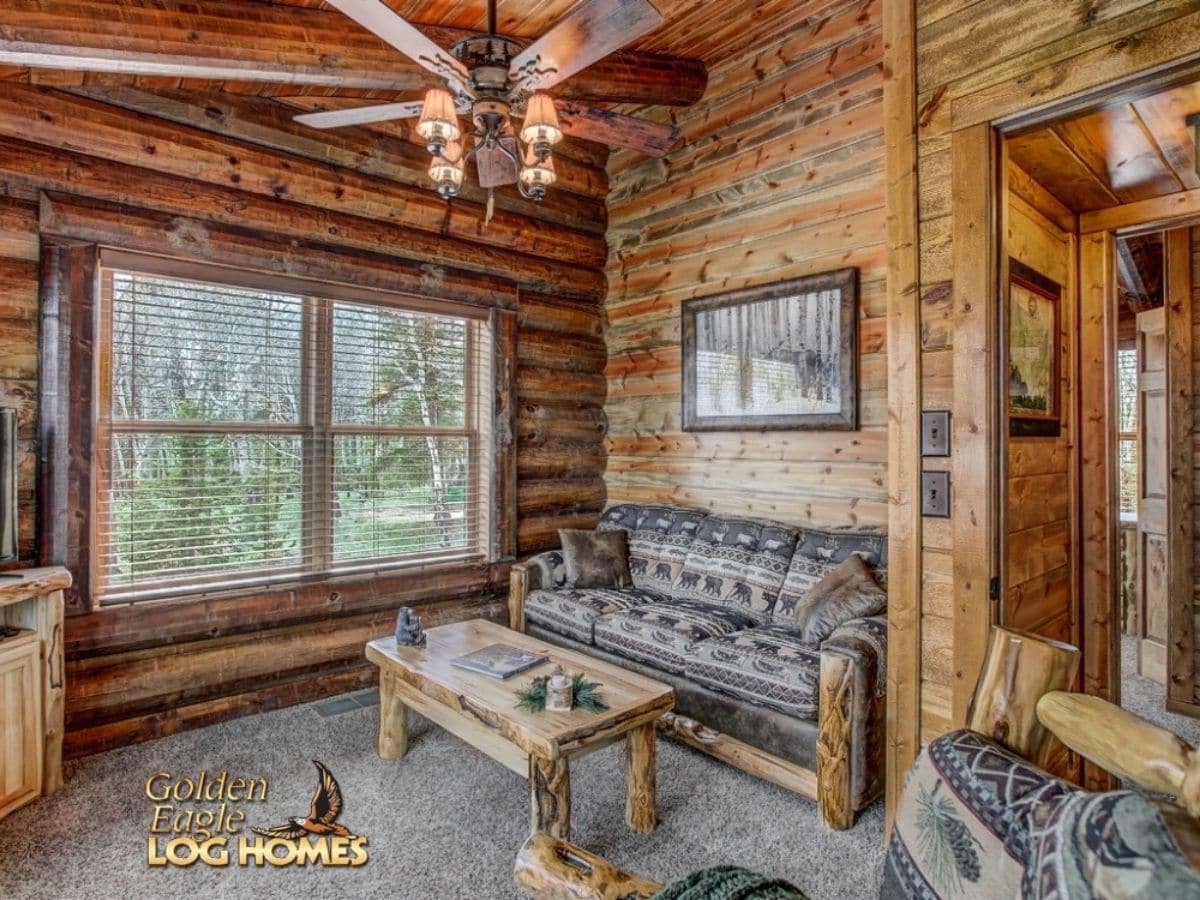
point(70, 406)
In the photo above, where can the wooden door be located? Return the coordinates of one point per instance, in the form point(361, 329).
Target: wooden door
point(1153, 480)
point(20, 721)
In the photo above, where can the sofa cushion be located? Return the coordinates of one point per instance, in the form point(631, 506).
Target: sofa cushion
point(737, 562)
point(596, 559)
point(574, 611)
point(663, 633)
point(819, 552)
point(659, 540)
point(770, 665)
point(848, 592)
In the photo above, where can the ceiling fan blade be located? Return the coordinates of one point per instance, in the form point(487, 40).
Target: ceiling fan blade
point(604, 126)
point(380, 20)
point(494, 167)
point(589, 32)
point(362, 115)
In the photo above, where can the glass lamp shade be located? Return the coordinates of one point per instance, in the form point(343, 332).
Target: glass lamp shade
point(447, 171)
point(438, 124)
point(537, 174)
point(541, 130)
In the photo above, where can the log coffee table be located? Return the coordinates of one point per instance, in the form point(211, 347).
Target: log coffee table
point(482, 711)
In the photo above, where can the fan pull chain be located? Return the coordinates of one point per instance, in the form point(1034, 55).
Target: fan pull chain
point(491, 207)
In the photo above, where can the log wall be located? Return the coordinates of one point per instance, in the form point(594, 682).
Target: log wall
point(1040, 519)
point(139, 671)
point(779, 175)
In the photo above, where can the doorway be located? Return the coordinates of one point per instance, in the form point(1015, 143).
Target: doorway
point(1095, 380)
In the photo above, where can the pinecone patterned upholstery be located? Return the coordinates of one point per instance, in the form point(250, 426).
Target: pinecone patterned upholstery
point(978, 821)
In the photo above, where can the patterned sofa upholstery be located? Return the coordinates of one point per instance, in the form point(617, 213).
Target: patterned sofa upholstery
point(977, 821)
point(713, 606)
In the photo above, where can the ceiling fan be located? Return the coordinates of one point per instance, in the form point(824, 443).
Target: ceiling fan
point(490, 78)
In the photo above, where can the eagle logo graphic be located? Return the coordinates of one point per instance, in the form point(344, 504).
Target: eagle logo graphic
point(322, 816)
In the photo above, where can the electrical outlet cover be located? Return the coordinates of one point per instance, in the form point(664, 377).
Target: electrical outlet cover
point(935, 494)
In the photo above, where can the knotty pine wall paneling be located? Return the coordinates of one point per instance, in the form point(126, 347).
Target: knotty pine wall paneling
point(979, 62)
point(779, 174)
point(1040, 520)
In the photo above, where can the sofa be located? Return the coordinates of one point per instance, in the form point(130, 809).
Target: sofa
point(712, 612)
point(976, 820)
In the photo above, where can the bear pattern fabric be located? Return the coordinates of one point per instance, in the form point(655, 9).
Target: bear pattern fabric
point(660, 538)
point(663, 634)
point(737, 562)
point(574, 612)
point(771, 665)
point(819, 552)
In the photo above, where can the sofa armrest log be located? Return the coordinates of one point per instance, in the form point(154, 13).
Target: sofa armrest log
point(544, 570)
point(850, 719)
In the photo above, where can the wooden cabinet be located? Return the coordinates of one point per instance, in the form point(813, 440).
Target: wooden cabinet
point(21, 731)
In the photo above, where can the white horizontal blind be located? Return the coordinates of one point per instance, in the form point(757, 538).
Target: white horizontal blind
point(246, 436)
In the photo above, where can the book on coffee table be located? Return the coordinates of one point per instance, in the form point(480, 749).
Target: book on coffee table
point(499, 660)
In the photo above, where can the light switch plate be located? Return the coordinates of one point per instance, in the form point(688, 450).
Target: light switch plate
point(935, 494)
point(935, 432)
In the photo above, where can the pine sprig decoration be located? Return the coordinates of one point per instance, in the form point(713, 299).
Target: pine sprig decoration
point(585, 695)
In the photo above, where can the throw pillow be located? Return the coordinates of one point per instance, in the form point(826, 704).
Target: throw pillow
point(847, 592)
point(596, 559)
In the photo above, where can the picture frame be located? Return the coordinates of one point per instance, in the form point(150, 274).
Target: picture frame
point(780, 356)
point(1033, 340)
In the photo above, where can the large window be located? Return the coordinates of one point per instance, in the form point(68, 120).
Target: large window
point(247, 435)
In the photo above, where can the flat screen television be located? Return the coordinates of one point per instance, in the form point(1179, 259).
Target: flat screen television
point(8, 485)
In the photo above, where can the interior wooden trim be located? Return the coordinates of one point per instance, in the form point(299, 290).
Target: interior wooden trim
point(68, 303)
point(1181, 660)
point(975, 423)
point(1097, 479)
point(1142, 213)
point(903, 711)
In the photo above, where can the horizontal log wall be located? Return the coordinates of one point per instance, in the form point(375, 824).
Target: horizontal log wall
point(779, 175)
point(141, 671)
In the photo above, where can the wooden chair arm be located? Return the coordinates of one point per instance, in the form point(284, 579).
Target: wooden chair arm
point(1124, 744)
point(548, 868)
point(523, 578)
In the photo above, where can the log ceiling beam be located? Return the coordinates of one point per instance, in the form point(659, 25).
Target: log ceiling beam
point(220, 40)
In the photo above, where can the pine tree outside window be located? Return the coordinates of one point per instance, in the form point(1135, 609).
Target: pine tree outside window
point(254, 434)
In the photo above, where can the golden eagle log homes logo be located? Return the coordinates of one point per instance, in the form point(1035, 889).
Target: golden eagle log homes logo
point(200, 820)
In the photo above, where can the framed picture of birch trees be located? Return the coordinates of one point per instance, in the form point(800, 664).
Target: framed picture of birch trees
point(781, 356)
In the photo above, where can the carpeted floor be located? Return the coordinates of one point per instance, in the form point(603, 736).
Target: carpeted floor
point(444, 822)
point(1145, 697)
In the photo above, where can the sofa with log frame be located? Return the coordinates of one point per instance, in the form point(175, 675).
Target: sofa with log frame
point(712, 613)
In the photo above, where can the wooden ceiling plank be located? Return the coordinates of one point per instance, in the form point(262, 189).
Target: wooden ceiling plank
point(1165, 118)
point(220, 40)
point(1047, 159)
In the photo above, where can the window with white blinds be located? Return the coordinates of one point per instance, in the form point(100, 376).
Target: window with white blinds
point(247, 435)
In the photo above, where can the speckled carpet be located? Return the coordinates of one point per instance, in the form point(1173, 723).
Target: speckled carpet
point(444, 822)
point(1144, 697)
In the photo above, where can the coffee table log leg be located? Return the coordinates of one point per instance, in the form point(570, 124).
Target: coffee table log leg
point(640, 804)
point(393, 719)
point(550, 794)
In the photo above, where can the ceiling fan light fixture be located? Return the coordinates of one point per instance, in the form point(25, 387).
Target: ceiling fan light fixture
point(439, 122)
point(446, 170)
point(536, 175)
point(541, 130)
